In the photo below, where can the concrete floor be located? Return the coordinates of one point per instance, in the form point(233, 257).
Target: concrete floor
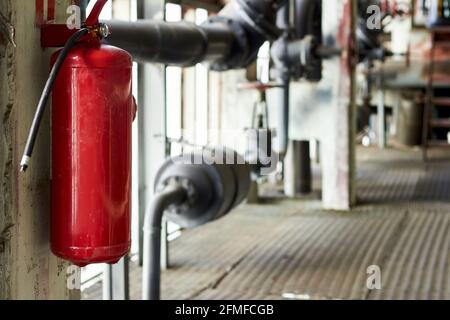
point(293, 249)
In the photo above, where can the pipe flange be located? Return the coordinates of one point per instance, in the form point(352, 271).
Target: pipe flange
point(191, 195)
point(307, 46)
point(259, 15)
point(241, 48)
point(202, 190)
point(213, 187)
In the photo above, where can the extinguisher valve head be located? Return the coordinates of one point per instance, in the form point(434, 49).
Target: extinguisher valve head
point(103, 30)
point(100, 30)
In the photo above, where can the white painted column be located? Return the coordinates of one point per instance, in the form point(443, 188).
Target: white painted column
point(338, 147)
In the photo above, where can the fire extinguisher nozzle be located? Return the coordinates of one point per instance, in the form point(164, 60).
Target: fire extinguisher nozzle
point(24, 163)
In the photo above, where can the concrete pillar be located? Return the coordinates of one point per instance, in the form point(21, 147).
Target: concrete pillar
point(28, 269)
point(339, 155)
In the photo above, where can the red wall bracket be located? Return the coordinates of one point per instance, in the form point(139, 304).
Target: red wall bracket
point(55, 35)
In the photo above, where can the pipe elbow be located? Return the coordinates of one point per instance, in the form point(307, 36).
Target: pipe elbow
point(171, 195)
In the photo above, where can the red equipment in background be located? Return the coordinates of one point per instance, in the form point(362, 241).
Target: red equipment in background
point(92, 114)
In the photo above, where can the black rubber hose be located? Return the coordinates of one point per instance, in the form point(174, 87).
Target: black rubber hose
point(45, 96)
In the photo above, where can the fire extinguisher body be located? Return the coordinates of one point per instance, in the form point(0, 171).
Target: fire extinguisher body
point(92, 115)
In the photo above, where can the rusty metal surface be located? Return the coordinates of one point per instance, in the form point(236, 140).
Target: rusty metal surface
point(293, 249)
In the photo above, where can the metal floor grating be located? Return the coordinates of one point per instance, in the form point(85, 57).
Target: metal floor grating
point(292, 248)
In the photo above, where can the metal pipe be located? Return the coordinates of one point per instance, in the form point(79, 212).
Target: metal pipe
point(283, 77)
point(381, 113)
point(298, 178)
point(116, 280)
point(173, 43)
point(283, 117)
point(307, 18)
point(294, 52)
point(107, 282)
point(83, 5)
point(304, 167)
point(308, 22)
point(151, 273)
point(230, 40)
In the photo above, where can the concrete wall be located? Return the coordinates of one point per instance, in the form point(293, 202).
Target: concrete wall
point(28, 270)
point(236, 109)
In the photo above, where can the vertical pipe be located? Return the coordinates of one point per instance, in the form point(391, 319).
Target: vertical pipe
point(83, 5)
point(381, 114)
point(151, 271)
point(307, 20)
point(305, 172)
point(317, 151)
point(116, 284)
point(164, 245)
point(298, 179)
point(283, 22)
point(107, 282)
point(283, 118)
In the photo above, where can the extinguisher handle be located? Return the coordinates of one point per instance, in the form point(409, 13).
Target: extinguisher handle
point(45, 96)
point(93, 18)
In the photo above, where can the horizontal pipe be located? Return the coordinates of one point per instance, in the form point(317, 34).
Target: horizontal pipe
point(174, 43)
point(230, 40)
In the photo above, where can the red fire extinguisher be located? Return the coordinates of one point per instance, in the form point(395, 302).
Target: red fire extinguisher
point(92, 114)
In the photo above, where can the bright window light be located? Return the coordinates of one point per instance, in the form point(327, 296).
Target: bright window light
point(201, 94)
point(106, 13)
point(174, 87)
